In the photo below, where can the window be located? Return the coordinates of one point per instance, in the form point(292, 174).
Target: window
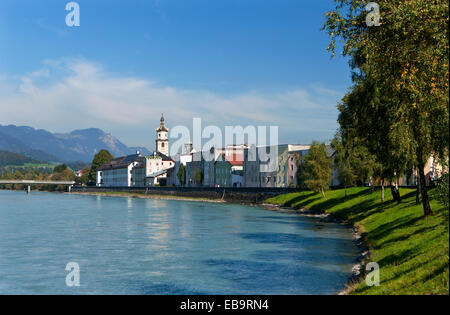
point(162, 144)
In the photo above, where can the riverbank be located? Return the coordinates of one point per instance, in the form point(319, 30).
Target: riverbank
point(228, 194)
point(412, 251)
point(146, 196)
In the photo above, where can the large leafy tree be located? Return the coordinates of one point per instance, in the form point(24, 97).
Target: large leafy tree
point(401, 69)
point(102, 157)
point(353, 161)
point(317, 167)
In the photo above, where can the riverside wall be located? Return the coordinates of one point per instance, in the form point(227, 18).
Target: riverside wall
point(242, 195)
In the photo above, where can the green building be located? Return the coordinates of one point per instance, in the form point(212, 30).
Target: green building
point(222, 172)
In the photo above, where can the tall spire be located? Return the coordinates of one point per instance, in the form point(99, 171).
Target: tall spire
point(162, 126)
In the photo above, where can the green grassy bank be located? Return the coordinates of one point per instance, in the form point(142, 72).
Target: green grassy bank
point(412, 251)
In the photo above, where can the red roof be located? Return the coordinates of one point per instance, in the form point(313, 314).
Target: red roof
point(235, 159)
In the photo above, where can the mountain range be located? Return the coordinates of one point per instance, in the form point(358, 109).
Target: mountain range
point(78, 145)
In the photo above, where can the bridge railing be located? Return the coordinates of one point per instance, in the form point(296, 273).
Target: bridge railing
point(36, 182)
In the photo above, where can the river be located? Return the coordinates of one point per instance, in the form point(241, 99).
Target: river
point(148, 246)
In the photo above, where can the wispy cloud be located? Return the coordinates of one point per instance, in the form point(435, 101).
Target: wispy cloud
point(54, 29)
point(69, 94)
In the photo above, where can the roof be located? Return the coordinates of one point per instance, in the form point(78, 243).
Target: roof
point(163, 156)
point(235, 159)
point(121, 162)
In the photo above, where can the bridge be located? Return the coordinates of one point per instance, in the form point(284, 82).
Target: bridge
point(38, 182)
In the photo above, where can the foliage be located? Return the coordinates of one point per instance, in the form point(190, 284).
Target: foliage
point(317, 168)
point(9, 158)
point(181, 174)
point(199, 176)
point(412, 251)
point(399, 102)
point(84, 178)
point(442, 190)
point(344, 159)
point(63, 175)
point(60, 168)
point(100, 158)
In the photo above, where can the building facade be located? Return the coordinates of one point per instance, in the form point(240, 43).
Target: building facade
point(222, 172)
point(137, 170)
point(118, 172)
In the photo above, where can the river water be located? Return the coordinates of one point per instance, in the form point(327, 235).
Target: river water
point(147, 246)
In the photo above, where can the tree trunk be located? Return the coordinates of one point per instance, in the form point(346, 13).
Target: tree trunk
point(393, 192)
point(323, 193)
point(345, 198)
point(425, 200)
point(418, 190)
point(382, 190)
point(397, 191)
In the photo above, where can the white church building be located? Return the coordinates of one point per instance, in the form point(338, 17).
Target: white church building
point(137, 170)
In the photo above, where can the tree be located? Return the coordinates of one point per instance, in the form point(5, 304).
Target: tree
point(401, 67)
point(60, 168)
point(84, 178)
point(443, 190)
point(199, 176)
point(65, 175)
point(181, 174)
point(344, 159)
point(317, 168)
point(100, 158)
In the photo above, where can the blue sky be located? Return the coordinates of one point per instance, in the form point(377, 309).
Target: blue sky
point(230, 62)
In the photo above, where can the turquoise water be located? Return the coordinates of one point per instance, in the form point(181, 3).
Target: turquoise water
point(143, 246)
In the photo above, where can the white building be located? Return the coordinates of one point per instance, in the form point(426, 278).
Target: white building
point(137, 170)
point(152, 170)
point(118, 172)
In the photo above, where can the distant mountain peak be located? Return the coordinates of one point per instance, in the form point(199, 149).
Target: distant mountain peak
point(88, 131)
point(78, 145)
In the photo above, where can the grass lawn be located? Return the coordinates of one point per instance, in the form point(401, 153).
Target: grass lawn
point(412, 251)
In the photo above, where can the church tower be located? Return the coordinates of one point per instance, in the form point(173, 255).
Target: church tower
point(162, 139)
